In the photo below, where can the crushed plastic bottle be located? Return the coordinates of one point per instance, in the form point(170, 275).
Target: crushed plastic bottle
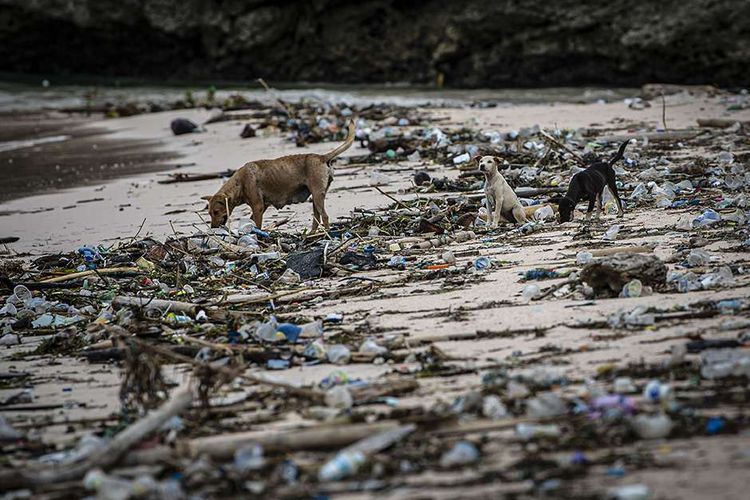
point(339, 396)
point(652, 426)
point(623, 385)
point(545, 405)
point(462, 453)
point(338, 354)
point(350, 459)
point(482, 263)
point(583, 258)
point(448, 257)
point(706, 218)
point(249, 458)
point(528, 432)
point(370, 346)
point(544, 213)
point(462, 158)
point(493, 408)
point(611, 233)
point(698, 258)
point(530, 292)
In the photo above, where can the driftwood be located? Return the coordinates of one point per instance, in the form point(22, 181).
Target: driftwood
point(92, 272)
point(223, 446)
point(608, 275)
point(672, 135)
point(720, 122)
point(183, 177)
point(161, 304)
point(603, 252)
point(105, 457)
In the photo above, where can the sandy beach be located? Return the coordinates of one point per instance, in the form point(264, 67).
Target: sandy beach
point(478, 320)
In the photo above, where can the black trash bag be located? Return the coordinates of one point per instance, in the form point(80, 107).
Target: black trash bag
point(181, 126)
point(248, 131)
point(362, 261)
point(308, 264)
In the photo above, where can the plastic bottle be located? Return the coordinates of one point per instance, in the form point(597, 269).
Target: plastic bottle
point(545, 405)
point(448, 257)
point(652, 426)
point(544, 213)
point(611, 233)
point(370, 346)
point(706, 218)
point(583, 258)
point(339, 396)
point(532, 431)
point(698, 257)
point(493, 408)
point(344, 464)
point(249, 241)
point(249, 458)
point(530, 291)
point(338, 354)
point(264, 257)
point(482, 263)
point(462, 158)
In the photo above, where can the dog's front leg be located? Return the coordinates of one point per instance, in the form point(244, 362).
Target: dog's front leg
point(592, 200)
point(498, 212)
point(257, 216)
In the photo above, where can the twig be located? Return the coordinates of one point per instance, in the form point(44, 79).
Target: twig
point(286, 107)
point(83, 274)
point(559, 144)
point(663, 111)
point(391, 197)
point(554, 288)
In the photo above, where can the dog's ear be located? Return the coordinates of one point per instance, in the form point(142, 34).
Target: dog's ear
point(556, 199)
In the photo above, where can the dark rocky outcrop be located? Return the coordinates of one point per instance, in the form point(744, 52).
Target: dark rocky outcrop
point(472, 42)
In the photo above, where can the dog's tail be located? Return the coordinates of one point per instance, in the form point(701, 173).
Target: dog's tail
point(620, 153)
point(343, 147)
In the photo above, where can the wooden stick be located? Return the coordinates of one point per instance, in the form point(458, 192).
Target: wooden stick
point(162, 304)
point(603, 252)
point(673, 135)
point(223, 446)
point(105, 457)
point(720, 122)
point(91, 272)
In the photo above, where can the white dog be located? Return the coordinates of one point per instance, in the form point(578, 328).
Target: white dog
point(502, 202)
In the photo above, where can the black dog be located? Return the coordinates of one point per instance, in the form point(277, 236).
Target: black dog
point(590, 184)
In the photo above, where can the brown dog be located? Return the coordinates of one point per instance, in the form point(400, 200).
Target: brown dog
point(278, 182)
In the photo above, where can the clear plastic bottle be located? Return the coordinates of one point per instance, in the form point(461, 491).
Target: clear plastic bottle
point(338, 354)
point(344, 464)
